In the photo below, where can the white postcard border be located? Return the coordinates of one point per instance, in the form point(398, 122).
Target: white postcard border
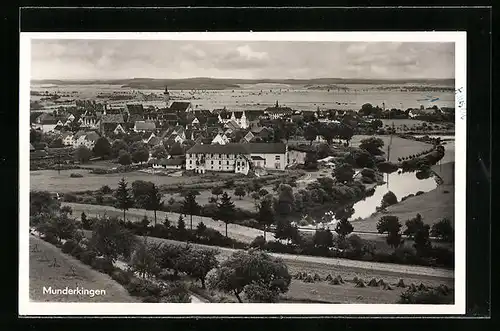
point(27, 308)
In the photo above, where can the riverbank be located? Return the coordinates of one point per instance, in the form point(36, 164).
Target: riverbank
point(434, 205)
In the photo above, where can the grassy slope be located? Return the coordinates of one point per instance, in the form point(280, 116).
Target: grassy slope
point(432, 205)
point(400, 147)
point(59, 277)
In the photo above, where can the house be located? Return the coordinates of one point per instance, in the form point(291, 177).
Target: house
point(248, 137)
point(269, 155)
point(108, 123)
point(170, 163)
point(144, 126)
point(278, 112)
point(67, 138)
point(223, 158)
point(220, 139)
point(46, 123)
point(296, 157)
point(87, 139)
point(232, 125)
point(182, 107)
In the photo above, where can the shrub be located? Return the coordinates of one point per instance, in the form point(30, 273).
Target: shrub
point(75, 175)
point(175, 293)
point(424, 297)
point(151, 299)
point(69, 197)
point(103, 265)
point(88, 257)
point(69, 246)
point(121, 276)
point(373, 283)
point(259, 242)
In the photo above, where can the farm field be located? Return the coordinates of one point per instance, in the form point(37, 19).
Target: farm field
point(41, 274)
point(50, 180)
point(434, 205)
point(400, 147)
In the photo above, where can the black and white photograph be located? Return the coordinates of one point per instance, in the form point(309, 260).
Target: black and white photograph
point(290, 173)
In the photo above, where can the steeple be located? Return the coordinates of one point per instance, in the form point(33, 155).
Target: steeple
point(166, 97)
point(276, 104)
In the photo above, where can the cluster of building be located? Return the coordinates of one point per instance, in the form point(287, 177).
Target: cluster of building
point(231, 141)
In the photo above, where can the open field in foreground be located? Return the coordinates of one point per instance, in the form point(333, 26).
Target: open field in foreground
point(433, 206)
point(400, 147)
point(42, 274)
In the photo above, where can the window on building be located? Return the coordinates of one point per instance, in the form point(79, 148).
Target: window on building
point(220, 162)
point(190, 161)
point(227, 162)
point(277, 158)
point(212, 162)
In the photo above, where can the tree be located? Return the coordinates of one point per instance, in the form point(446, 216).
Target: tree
point(166, 222)
point(56, 143)
point(376, 124)
point(311, 161)
point(421, 238)
point(60, 226)
point(190, 206)
point(256, 197)
point(140, 191)
point(366, 109)
point(310, 133)
point(259, 275)
point(159, 152)
point(176, 149)
point(35, 136)
point(372, 145)
point(102, 148)
point(83, 218)
point(289, 130)
point(343, 228)
point(200, 228)
point(225, 209)
point(265, 216)
point(217, 191)
point(83, 154)
point(391, 226)
point(198, 262)
point(343, 173)
point(153, 201)
point(240, 192)
point(111, 239)
point(144, 225)
point(388, 199)
point(328, 132)
point(413, 225)
point(443, 230)
point(181, 225)
point(117, 146)
point(123, 199)
point(323, 238)
point(144, 260)
point(124, 158)
point(140, 155)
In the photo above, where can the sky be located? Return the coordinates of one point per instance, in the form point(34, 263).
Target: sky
point(124, 59)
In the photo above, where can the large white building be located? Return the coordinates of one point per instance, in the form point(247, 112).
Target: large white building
point(236, 157)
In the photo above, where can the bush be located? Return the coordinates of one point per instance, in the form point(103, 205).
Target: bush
point(259, 242)
point(434, 296)
point(103, 265)
point(69, 197)
point(88, 257)
point(121, 276)
point(69, 246)
point(151, 299)
point(75, 175)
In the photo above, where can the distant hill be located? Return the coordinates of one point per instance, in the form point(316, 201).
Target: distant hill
point(222, 83)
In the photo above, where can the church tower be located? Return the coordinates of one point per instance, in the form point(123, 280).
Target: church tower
point(166, 97)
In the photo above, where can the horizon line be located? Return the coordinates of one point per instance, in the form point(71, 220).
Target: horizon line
point(227, 78)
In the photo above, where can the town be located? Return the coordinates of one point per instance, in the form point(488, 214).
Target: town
point(216, 190)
